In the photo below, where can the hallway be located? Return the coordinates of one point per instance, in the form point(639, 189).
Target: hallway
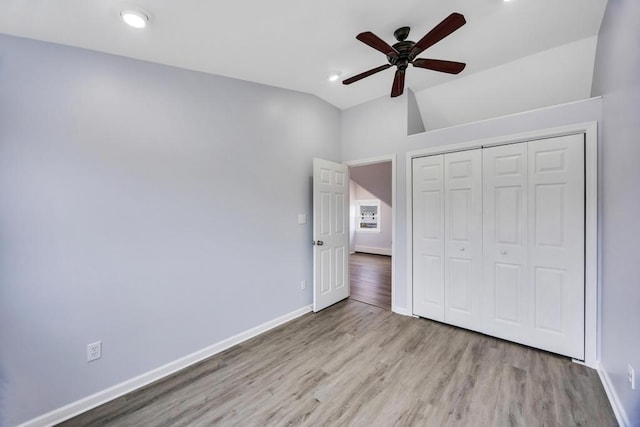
point(370, 277)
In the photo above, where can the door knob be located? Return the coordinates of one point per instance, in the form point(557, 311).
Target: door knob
point(318, 243)
point(503, 252)
point(462, 249)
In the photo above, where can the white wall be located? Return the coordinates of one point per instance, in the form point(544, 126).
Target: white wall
point(555, 76)
point(373, 182)
point(617, 79)
point(149, 207)
point(379, 128)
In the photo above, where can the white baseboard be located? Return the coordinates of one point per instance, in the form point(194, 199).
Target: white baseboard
point(401, 310)
point(616, 405)
point(372, 250)
point(64, 413)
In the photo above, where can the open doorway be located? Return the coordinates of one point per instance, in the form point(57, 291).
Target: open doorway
point(371, 233)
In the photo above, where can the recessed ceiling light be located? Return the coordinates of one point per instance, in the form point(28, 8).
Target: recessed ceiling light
point(134, 18)
point(334, 77)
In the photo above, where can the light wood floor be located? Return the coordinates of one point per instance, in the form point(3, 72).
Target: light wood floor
point(355, 364)
point(370, 279)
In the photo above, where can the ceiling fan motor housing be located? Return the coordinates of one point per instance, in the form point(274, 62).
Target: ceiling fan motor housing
point(403, 47)
point(404, 57)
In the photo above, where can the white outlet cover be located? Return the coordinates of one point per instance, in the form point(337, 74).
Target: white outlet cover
point(302, 218)
point(94, 351)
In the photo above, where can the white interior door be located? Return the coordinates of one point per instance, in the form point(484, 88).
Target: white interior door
point(330, 233)
point(556, 244)
point(463, 238)
point(428, 237)
point(505, 250)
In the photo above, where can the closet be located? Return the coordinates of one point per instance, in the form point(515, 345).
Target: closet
point(498, 241)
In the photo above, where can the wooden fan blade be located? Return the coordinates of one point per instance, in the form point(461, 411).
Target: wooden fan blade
point(365, 74)
point(450, 67)
point(440, 31)
point(398, 84)
point(377, 43)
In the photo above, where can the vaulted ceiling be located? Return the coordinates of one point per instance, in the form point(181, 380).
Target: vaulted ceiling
point(297, 44)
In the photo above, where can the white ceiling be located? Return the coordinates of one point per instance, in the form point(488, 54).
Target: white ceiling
point(297, 44)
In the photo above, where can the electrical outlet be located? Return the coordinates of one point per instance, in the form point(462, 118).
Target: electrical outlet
point(303, 285)
point(94, 351)
point(632, 377)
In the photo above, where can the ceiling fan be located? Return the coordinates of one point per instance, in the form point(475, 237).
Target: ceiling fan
point(404, 52)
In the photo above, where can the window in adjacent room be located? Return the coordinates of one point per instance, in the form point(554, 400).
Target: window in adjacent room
point(368, 215)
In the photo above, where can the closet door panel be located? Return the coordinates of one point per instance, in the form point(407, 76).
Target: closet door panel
point(428, 237)
point(556, 247)
point(505, 284)
point(507, 297)
point(463, 237)
point(460, 291)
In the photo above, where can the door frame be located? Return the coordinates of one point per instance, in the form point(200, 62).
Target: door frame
point(372, 161)
point(592, 260)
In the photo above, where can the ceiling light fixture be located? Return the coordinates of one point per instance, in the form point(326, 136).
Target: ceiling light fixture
point(134, 18)
point(334, 77)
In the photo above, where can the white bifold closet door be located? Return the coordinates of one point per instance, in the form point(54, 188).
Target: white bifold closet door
point(428, 237)
point(463, 237)
point(447, 244)
point(499, 241)
point(534, 243)
point(505, 252)
point(556, 244)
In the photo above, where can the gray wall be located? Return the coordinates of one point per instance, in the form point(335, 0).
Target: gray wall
point(374, 182)
point(379, 128)
point(617, 79)
point(149, 207)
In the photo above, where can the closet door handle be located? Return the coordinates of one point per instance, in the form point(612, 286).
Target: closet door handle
point(503, 252)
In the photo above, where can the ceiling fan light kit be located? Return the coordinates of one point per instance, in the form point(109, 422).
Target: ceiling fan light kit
point(404, 52)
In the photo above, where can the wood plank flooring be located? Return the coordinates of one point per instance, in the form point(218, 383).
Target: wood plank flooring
point(370, 279)
point(354, 364)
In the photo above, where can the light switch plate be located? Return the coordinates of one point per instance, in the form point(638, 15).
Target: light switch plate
point(302, 218)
